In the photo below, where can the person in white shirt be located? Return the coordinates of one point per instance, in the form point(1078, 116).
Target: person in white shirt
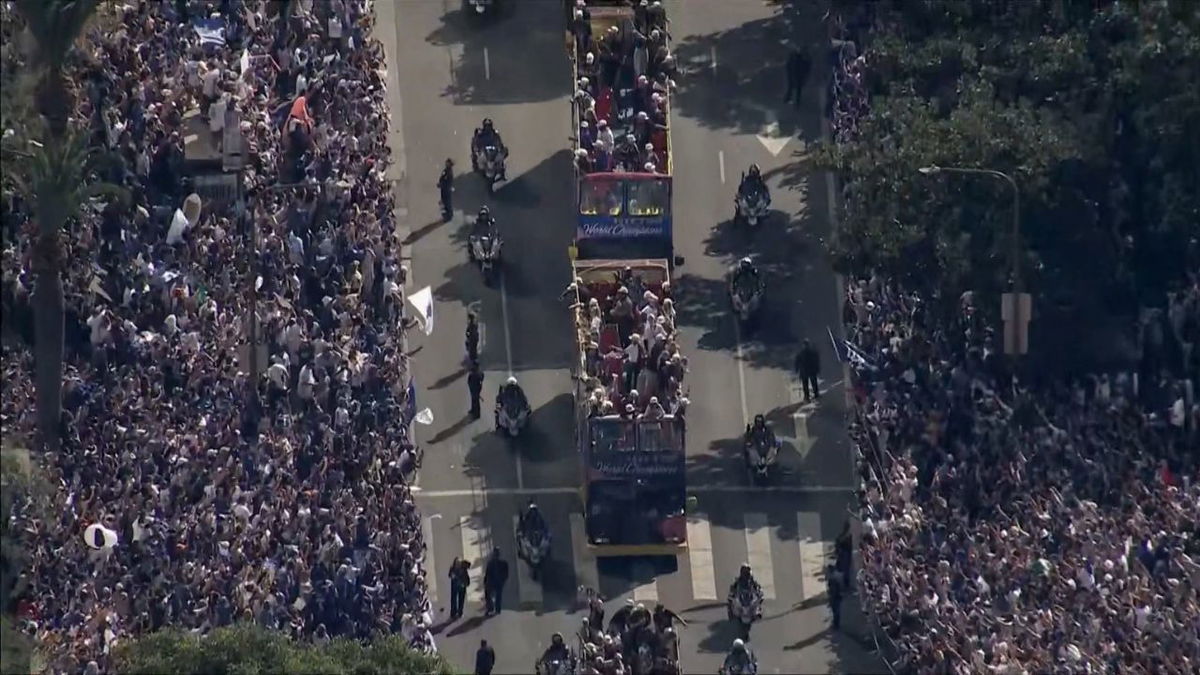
point(99, 323)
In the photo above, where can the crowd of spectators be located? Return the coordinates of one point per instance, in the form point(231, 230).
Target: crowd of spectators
point(281, 501)
point(631, 359)
point(623, 91)
point(1014, 528)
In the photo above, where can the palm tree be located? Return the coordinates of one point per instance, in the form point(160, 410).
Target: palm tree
point(55, 26)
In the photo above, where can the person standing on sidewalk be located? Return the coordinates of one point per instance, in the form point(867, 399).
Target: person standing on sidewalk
point(834, 580)
point(494, 578)
point(843, 548)
point(798, 65)
point(475, 385)
point(460, 578)
point(808, 367)
point(446, 189)
point(472, 338)
point(485, 658)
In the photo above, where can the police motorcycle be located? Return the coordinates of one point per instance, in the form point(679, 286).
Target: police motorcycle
point(745, 601)
point(753, 199)
point(745, 291)
point(533, 540)
point(512, 409)
point(484, 243)
point(761, 449)
point(557, 659)
point(488, 154)
point(739, 661)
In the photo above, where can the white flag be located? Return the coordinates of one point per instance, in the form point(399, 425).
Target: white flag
point(425, 417)
point(422, 300)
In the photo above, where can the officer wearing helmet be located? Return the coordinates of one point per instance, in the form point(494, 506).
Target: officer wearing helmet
point(482, 138)
point(557, 651)
point(485, 223)
point(745, 272)
point(739, 660)
point(759, 432)
point(511, 396)
point(532, 520)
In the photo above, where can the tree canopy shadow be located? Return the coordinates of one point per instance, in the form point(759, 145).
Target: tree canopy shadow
point(520, 59)
point(747, 77)
point(543, 440)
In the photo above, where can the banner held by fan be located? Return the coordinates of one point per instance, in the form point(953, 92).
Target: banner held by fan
point(422, 300)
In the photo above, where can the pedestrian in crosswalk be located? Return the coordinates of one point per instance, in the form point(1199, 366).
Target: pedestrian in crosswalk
point(475, 385)
point(485, 659)
point(460, 578)
point(495, 575)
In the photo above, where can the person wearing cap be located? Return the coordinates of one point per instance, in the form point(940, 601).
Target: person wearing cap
point(605, 136)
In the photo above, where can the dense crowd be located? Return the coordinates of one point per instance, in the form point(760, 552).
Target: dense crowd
point(631, 358)
point(1013, 528)
point(622, 95)
point(282, 501)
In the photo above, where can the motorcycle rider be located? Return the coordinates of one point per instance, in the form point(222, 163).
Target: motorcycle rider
point(510, 391)
point(532, 520)
point(745, 582)
point(484, 226)
point(760, 433)
point(557, 651)
point(745, 272)
point(740, 659)
point(483, 137)
point(752, 183)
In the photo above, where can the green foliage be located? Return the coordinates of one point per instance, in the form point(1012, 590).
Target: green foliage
point(56, 24)
point(1092, 107)
point(248, 649)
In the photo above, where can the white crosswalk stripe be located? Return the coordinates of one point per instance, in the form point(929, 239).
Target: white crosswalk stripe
point(529, 589)
point(812, 555)
point(475, 538)
point(700, 558)
point(586, 574)
point(758, 552)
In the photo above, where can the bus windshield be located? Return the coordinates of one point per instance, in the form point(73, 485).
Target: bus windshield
point(659, 436)
point(612, 435)
point(600, 197)
point(649, 197)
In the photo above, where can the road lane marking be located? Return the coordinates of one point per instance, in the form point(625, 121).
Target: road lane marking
point(804, 442)
point(812, 555)
point(741, 370)
point(700, 558)
point(758, 552)
point(644, 591)
point(586, 574)
point(431, 568)
point(474, 551)
point(487, 64)
point(695, 489)
point(721, 164)
point(509, 363)
point(530, 590)
point(713, 61)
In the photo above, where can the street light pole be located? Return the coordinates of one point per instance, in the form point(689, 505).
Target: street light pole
point(1018, 282)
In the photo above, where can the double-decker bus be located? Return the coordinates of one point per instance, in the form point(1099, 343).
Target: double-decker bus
point(633, 481)
point(622, 214)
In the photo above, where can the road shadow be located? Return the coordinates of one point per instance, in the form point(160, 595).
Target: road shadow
point(468, 625)
point(446, 380)
point(451, 430)
point(721, 634)
point(542, 441)
point(489, 455)
point(748, 77)
point(521, 58)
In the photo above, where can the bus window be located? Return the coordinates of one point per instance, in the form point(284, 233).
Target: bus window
point(600, 197)
point(660, 436)
point(649, 198)
point(612, 435)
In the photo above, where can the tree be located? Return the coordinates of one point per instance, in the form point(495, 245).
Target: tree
point(1091, 106)
point(21, 485)
point(249, 649)
point(55, 26)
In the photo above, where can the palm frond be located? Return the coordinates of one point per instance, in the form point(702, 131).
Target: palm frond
point(60, 169)
point(56, 25)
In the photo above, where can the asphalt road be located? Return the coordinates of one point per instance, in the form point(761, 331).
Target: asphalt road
point(448, 73)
